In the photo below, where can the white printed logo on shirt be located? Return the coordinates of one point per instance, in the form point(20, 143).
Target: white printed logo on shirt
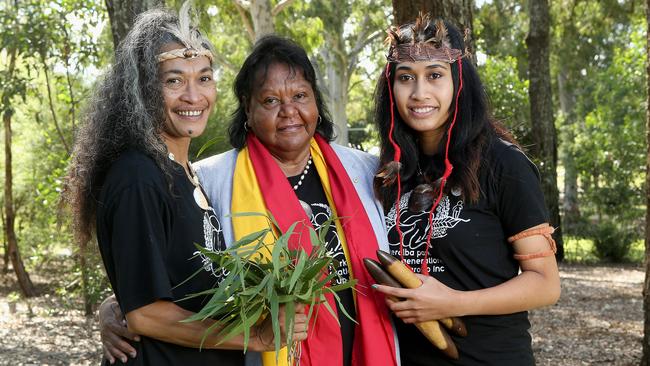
point(415, 227)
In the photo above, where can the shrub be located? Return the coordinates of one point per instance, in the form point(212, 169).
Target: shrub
point(611, 242)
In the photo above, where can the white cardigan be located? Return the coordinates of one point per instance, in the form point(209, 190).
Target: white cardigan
point(216, 175)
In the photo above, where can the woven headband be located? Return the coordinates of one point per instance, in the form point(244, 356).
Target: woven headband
point(186, 53)
point(423, 51)
point(436, 48)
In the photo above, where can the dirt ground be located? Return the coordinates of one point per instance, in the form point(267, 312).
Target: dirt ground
point(598, 321)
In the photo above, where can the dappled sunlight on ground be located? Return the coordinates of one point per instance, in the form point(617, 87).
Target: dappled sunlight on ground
point(42, 331)
point(598, 320)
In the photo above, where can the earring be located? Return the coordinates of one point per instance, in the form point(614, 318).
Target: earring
point(320, 120)
point(246, 125)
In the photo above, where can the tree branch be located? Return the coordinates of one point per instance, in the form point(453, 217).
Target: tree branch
point(354, 85)
point(66, 60)
point(336, 45)
point(320, 76)
point(354, 54)
point(243, 13)
point(246, 5)
point(362, 39)
point(51, 103)
point(280, 6)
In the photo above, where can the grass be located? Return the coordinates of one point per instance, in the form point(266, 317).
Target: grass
point(581, 250)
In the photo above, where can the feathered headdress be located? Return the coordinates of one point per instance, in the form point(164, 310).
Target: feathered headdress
point(410, 44)
point(188, 35)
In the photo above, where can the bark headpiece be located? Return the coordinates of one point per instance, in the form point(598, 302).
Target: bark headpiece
point(411, 43)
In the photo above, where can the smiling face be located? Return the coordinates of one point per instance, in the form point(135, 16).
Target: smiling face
point(189, 93)
point(423, 93)
point(282, 111)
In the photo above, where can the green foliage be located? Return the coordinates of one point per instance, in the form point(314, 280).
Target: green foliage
point(56, 47)
point(72, 290)
point(500, 30)
point(508, 94)
point(599, 85)
point(256, 287)
point(582, 250)
point(611, 242)
point(609, 148)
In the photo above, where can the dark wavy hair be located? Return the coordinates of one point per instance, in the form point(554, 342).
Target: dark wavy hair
point(125, 111)
point(474, 131)
point(270, 50)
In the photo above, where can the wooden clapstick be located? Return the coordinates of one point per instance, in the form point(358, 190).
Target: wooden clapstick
point(382, 278)
point(453, 324)
point(431, 329)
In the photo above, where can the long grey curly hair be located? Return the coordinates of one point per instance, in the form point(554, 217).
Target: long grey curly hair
point(125, 111)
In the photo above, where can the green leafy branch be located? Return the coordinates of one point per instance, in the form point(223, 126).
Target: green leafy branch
point(255, 288)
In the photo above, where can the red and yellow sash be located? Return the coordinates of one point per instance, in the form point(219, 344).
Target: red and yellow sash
point(260, 185)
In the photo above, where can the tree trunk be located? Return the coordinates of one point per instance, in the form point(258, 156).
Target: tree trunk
point(336, 85)
point(262, 17)
point(570, 204)
point(83, 264)
point(541, 108)
point(122, 13)
point(645, 360)
point(25, 283)
point(258, 16)
point(459, 12)
point(5, 245)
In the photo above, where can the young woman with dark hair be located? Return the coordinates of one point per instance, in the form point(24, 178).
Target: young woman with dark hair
point(463, 204)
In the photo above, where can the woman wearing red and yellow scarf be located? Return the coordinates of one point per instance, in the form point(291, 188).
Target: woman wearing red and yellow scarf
point(284, 163)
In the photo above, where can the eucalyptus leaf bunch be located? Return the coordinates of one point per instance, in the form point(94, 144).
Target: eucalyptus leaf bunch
point(255, 286)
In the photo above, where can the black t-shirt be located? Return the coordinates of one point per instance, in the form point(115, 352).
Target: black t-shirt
point(147, 236)
point(311, 192)
point(469, 251)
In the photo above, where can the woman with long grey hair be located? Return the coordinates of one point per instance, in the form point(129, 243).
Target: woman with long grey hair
point(131, 184)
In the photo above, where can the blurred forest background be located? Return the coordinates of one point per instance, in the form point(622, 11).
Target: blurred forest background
point(576, 101)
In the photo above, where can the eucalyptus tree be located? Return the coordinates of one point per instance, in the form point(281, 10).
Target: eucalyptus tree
point(349, 32)
point(67, 45)
point(566, 42)
point(258, 16)
point(339, 37)
point(598, 57)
